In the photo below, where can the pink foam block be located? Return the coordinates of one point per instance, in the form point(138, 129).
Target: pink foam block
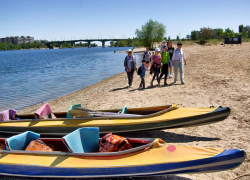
point(44, 110)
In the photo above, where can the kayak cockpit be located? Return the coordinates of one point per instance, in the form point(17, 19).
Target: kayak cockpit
point(83, 141)
point(78, 112)
point(138, 144)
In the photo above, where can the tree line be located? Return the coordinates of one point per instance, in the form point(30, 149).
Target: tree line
point(38, 45)
point(11, 46)
point(153, 31)
point(207, 33)
point(125, 43)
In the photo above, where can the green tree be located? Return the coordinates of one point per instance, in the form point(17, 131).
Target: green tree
point(229, 33)
point(112, 43)
point(136, 43)
point(246, 31)
point(68, 45)
point(177, 37)
point(129, 42)
point(165, 39)
point(241, 28)
point(169, 38)
point(122, 44)
point(206, 33)
point(188, 36)
point(151, 31)
point(93, 45)
point(194, 36)
point(219, 33)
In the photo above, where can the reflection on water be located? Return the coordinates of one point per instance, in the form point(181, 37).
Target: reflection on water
point(31, 76)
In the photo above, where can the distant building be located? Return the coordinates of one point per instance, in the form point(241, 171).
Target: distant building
point(17, 39)
point(9, 39)
point(4, 40)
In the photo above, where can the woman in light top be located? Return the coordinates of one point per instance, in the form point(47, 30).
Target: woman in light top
point(179, 60)
point(156, 65)
point(130, 66)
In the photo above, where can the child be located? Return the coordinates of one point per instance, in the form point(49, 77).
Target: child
point(142, 75)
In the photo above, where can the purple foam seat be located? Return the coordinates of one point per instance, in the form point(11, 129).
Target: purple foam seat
point(7, 115)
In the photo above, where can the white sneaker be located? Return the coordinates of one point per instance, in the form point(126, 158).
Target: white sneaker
point(170, 76)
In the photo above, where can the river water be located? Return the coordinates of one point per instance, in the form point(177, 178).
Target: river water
point(28, 77)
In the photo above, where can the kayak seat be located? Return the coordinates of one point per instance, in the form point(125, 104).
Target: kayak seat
point(82, 140)
point(21, 141)
point(72, 108)
point(44, 112)
point(124, 110)
point(8, 115)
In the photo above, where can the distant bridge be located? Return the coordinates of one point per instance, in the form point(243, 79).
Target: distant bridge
point(50, 43)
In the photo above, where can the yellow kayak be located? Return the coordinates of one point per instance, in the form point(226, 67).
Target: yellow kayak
point(135, 119)
point(147, 157)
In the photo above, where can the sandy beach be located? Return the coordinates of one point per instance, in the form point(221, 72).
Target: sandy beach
point(214, 76)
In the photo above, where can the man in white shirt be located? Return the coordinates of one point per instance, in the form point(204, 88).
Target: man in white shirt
point(179, 60)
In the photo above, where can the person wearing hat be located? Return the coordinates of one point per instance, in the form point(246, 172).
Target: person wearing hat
point(165, 60)
point(156, 64)
point(179, 60)
point(130, 66)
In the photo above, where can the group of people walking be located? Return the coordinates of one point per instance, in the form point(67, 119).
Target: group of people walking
point(161, 64)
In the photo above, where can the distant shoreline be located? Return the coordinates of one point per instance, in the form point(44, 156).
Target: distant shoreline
point(61, 48)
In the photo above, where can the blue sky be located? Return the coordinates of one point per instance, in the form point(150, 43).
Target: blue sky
point(80, 19)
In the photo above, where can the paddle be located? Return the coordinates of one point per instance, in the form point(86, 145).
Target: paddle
point(82, 109)
point(84, 113)
point(78, 113)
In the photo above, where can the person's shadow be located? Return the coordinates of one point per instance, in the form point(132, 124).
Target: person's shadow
point(117, 89)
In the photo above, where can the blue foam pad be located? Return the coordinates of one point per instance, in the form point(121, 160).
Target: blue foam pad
point(83, 140)
point(71, 108)
point(21, 141)
point(124, 110)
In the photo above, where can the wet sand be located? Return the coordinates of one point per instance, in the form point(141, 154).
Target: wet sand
point(214, 75)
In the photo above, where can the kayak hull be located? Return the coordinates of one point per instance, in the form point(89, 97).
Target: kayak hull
point(226, 160)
